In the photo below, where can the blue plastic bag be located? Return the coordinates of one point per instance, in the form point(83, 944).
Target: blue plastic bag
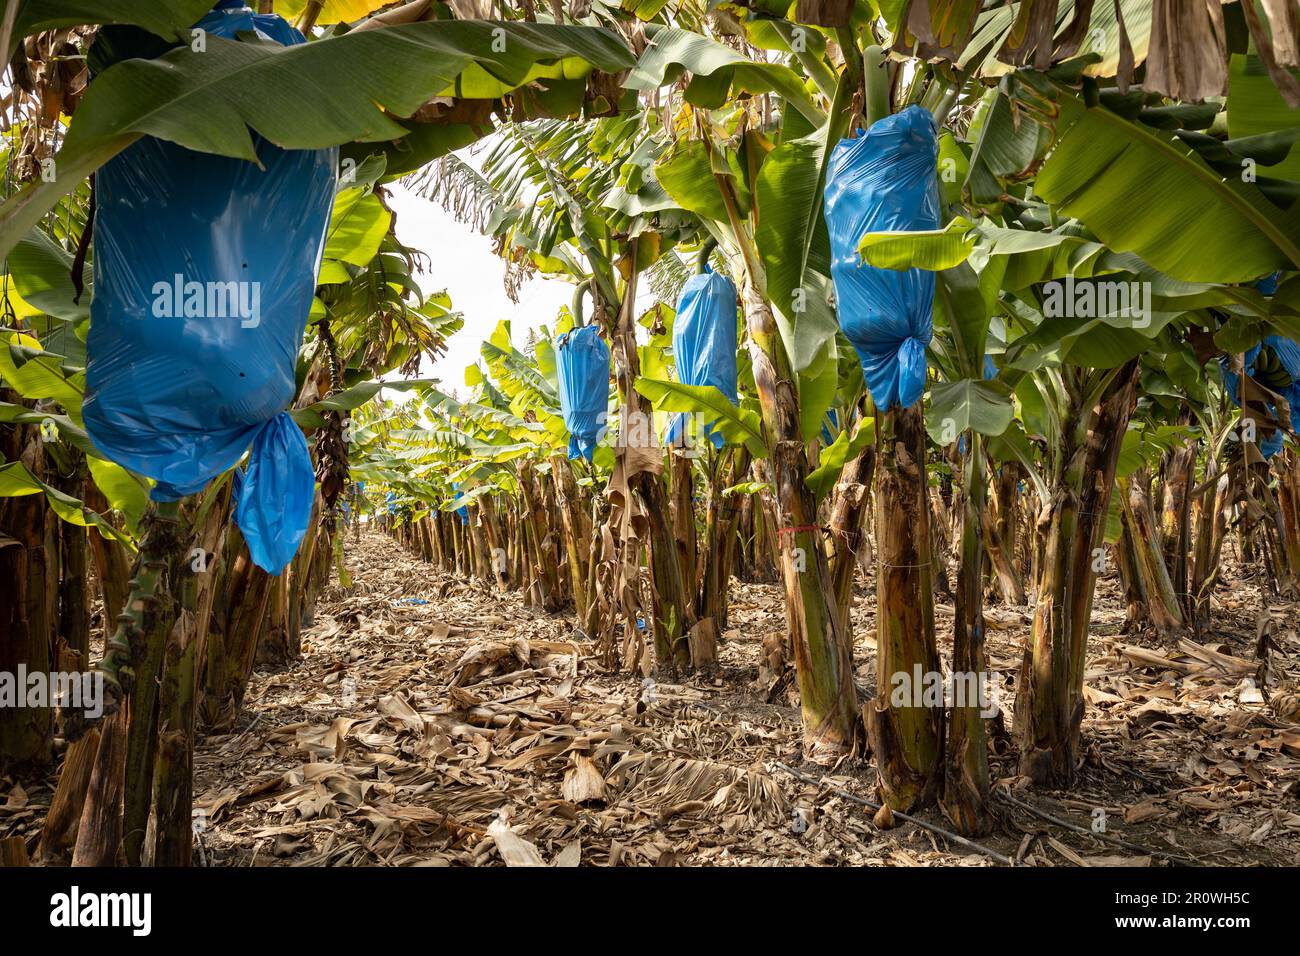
point(885, 179)
point(831, 420)
point(1288, 354)
point(582, 365)
point(205, 268)
point(463, 510)
point(704, 343)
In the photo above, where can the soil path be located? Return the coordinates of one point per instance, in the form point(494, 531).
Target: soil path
point(436, 722)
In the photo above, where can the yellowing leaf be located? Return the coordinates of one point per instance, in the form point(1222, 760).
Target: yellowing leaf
point(334, 11)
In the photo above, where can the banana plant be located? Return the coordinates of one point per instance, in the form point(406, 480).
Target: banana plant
point(545, 199)
point(189, 94)
point(725, 165)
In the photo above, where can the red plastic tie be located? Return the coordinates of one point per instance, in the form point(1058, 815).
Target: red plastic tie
point(795, 529)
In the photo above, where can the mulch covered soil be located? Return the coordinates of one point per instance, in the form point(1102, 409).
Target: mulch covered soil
point(434, 722)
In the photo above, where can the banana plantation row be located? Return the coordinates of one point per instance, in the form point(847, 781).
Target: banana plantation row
point(955, 303)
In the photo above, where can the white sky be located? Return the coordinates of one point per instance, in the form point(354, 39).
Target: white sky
point(462, 262)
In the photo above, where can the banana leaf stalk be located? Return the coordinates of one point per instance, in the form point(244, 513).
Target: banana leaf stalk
point(966, 766)
point(1162, 601)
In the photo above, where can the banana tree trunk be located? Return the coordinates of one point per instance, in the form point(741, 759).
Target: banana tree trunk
point(682, 484)
point(28, 599)
point(1011, 589)
point(482, 552)
point(675, 615)
point(117, 802)
point(318, 572)
point(174, 769)
point(576, 541)
point(1006, 496)
point(940, 539)
point(433, 541)
point(99, 832)
point(112, 567)
point(1212, 528)
point(485, 512)
point(1162, 601)
point(1288, 496)
point(69, 798)
point(174, 773)
point(766, 543)
point(1049, 707)
point(231, 650)
point(744, 538)
point(601, 559)
point(446, 544)
point(543, 564)
point(299, 571)
point(722, 541)
point(161, 551)
point(848, 517)
point(1176, 516)
point(273, 648)
point(822, 647)
point(1135, 600)
point(966, 764)
point(453, 533)
point(905, 728)
point(74, 593)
